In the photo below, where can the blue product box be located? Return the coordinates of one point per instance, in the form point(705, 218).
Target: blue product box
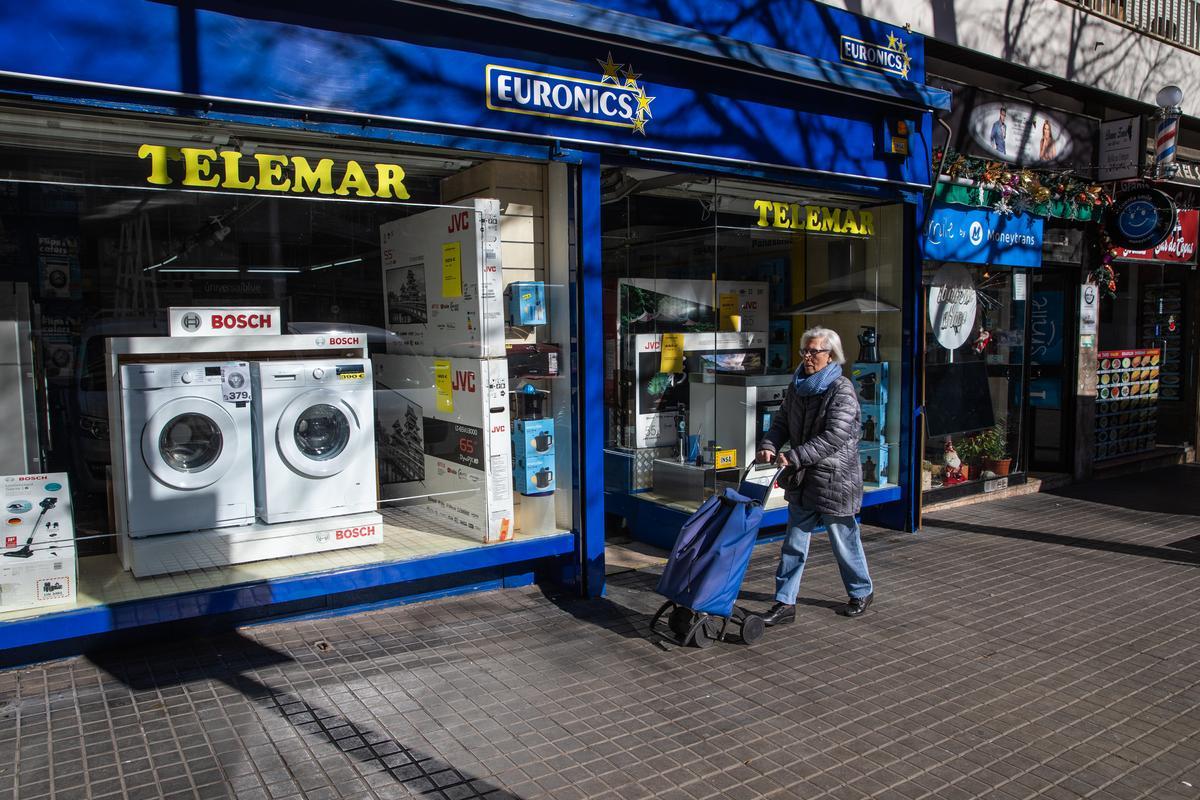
point(874, 422)
point(534, 474)
point(533, 437)
point(874, 460)
point(871, 383)
point(526, 302)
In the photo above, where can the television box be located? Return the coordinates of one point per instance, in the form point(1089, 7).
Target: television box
point(874, 461)
point(874, 420)
point(526, 301)
point(442, 433)
point(870, 382)
point(442, 282)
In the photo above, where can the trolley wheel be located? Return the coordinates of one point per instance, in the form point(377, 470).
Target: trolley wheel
point(680, 621)
point(703, 631)
point(753, 628)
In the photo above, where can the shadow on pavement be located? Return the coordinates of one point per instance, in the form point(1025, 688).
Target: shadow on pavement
point(1181, 556)
point(603, 612)
point(1172, 490)
point(228, 658)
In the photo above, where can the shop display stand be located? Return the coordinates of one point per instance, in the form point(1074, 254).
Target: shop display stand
point(1126, 402)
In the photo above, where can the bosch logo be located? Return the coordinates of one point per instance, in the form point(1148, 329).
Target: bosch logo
point(322, 537)
point(24, 478)
point(236, 322)
point(343, 340)
point(191, 321)
point(354, 533)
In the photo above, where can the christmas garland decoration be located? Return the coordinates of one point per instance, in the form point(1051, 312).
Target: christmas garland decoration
point(1006, 189)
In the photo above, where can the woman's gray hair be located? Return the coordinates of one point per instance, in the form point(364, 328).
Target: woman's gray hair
point(832, 341)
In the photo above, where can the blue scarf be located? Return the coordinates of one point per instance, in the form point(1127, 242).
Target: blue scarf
point(818, 382)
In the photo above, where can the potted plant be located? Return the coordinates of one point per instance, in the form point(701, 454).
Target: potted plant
point(992, 447)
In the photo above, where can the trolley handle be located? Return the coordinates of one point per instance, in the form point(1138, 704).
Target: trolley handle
point(760, 467)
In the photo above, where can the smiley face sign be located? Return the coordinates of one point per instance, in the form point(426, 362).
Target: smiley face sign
point(1140, 218)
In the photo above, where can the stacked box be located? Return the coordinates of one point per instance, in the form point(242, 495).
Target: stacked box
point(533, 456)
point(874, 460)
point(871, 383)
point(442, 432)
point(526, 301)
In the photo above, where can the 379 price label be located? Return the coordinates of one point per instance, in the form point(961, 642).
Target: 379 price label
point(235, 383)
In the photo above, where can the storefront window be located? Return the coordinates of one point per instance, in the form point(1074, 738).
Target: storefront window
point(975, 372)
point(415, 400)
point(710, 284)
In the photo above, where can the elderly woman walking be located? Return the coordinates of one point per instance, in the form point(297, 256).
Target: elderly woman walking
point(819, 424)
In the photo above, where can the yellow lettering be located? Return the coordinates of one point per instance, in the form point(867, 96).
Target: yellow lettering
point(814, 218)
point(197, 164)
point(233, 177)
point(158, 163)
point(355, 179)
point(797, 214)
point(866, 223)
point(850, 223)
point(781, 216)
point(319, 180)
point(391, 178)
point(831, 219)
point(762, 207)
point(270, 171)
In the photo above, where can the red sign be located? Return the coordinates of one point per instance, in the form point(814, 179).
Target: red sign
point(1179, 247)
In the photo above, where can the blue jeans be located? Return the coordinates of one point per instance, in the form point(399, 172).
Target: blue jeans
point(847, 549)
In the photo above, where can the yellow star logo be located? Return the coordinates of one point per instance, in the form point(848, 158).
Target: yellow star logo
point(631, 77)
point(892, 41)
point(643, 106)
point(904, 69)
point(610, 68)
point(639, 125)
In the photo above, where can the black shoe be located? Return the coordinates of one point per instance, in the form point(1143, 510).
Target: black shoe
point(857, 605)
point(780, 614)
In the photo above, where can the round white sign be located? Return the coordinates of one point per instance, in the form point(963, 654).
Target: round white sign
point(1019, 133)
point(952, 303)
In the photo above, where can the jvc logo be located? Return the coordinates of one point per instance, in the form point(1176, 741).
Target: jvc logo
point(499, 428)
point(463, 381)
point(459, 222)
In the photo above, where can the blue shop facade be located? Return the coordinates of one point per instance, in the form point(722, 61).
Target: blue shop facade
point(309, 311)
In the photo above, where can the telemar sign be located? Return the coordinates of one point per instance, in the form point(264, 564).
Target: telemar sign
point(208, 168)
point(822, 219)
point(978, 236)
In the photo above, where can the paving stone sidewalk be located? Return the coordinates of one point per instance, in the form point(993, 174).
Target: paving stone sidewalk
point(1043, 646)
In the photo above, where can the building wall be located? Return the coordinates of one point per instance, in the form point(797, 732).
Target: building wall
point(1052, 37)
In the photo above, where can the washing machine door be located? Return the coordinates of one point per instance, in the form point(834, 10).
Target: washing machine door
point(318, 433)
point(189, 443)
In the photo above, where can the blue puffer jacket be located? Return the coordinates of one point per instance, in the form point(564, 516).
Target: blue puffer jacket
point(822, 432)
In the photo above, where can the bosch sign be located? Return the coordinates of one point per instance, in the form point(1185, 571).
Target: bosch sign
point(358, 532)
point(224, 321)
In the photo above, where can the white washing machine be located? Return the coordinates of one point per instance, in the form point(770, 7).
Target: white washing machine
point(314, 438)
point(188, 462)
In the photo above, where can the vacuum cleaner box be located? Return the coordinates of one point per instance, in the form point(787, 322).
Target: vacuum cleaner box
point(37, 563)
point(443, 439)
point(442, 281)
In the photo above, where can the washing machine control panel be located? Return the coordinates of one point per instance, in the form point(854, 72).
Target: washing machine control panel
point(319, 373)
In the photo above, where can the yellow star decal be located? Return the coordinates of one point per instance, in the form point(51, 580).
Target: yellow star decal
point(643, 106)
point(639, 125)
point(631, 77)
point(610, 70)
point(892, 41)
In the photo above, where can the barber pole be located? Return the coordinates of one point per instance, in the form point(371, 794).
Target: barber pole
point(1164, 146)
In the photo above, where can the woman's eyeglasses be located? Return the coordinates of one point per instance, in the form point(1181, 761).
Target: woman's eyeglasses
point(812, 352)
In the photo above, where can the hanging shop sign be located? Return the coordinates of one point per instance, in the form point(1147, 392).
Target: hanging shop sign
point(208, 168)
point(952, 305)
point(892, 58)
point(1006, 129)
point(821, 219)
point(223, 321)
point(978, 236)
point(1140, 218)
point(1121, 149)
point(1089, 310)
point(1178, 248)
point(617, 99)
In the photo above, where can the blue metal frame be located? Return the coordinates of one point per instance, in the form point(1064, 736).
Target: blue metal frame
point(87, 623)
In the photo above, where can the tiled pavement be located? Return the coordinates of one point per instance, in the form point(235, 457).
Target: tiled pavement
point(1038, 647)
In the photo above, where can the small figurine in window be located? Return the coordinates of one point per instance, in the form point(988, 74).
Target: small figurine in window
point(982, 341)
point(953, 464)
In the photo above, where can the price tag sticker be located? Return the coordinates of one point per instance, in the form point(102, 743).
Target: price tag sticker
point(443, 386)
point(452, 269)
point(726, 459)
point(671, 359)
point(235, 383)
